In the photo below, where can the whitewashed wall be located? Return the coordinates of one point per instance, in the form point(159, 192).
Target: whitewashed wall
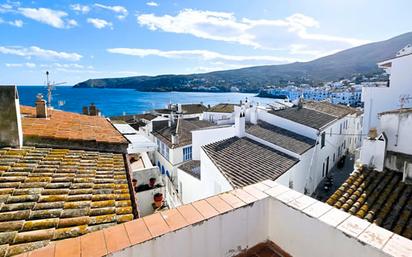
point(389, 125)
point(380, 99)
point(189, 187)
point(208, 136)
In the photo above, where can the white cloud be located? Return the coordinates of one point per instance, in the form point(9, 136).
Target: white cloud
point(54, 18)
point(84, 9)
point(100, 23)
point(16, 23)
point(202, 54)
point(35, 51)
point(67, 66)
point(153, 4)
point(19, 65)
point(224, 26)
point(122, 11)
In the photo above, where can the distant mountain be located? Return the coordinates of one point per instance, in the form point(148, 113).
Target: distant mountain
point(344, 64)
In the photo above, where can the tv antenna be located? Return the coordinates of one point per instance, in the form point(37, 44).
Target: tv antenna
point(50, 87)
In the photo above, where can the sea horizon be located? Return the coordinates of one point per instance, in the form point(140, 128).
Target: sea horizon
point(114, 102)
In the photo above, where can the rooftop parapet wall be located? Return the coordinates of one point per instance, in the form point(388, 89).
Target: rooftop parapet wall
point(228, 224)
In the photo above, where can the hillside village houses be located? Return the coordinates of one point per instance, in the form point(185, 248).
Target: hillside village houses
point(67, 186)
point(295, 146)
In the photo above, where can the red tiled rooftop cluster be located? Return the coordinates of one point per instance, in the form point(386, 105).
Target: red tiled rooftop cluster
point(69, 126)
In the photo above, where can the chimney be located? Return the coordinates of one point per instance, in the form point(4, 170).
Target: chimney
point(11, 133)
point(41, 107)
point(179, 108)
point(175, 139)
point(85, 110)
point(373, 134)
point(300, 103)
point(92, 110)
point(253, 115)
point(240, 124)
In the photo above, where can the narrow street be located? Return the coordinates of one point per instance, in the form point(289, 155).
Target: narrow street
point(338, 175)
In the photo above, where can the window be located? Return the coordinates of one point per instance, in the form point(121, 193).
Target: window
point(187, 153)
point(163, 149)
point(330, 132)
point(322, 140)
point(340, 129)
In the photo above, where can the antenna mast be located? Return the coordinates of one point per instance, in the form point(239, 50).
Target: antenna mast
point(50, 88)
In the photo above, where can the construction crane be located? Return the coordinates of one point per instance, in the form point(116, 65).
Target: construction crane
point(50, 87)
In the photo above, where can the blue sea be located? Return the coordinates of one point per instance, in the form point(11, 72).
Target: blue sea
point(113, 102)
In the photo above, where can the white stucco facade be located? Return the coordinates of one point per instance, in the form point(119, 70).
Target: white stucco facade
point(379, 99)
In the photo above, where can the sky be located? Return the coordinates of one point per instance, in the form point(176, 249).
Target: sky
point(79, 40)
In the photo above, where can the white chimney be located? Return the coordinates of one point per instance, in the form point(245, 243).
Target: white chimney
point(175, 139)
point(240, 121)
point(179, 108)
point(373, 151)
point(41, 107)
point(11, 133)
point(253, 115)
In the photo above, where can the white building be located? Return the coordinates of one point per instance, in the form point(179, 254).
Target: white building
point(174, 145)
point(294, 146)
point(382, 98)
point(220, 114)
point(185, 111)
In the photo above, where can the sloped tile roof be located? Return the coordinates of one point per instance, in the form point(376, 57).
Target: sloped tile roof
point(304, 116)
point(223, 107)
point(281, 137)
point(336, 110)
point(183, 128)
point(378, 197)
point(244, 161)
point(63, 128)
point(51, 194)
point(193, 108)
point(192, 168)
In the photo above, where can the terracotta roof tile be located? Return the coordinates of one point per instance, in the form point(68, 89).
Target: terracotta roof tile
point(137, 231)
point(232, 200)
point(244, 195)
point(116, 238)
point(62, 126)
point(174, 219)
point(205, 209)
point(190, 214)
point(156, 224)
point(379, 197)
point(62, 195)
point(93, 244)
point(68, 248)
point(219, 204)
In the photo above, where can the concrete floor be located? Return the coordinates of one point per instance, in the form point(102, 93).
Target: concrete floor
point(339, 176)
